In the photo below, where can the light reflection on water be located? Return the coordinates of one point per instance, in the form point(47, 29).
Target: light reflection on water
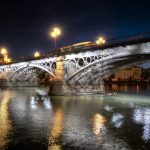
point(117, 120)
point(5, 122)
point(142, 116)
point(98, 123)
point(56, 130)
point(137, 88)
point(120, 121)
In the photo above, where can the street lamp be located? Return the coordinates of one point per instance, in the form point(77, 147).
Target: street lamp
point(55, 33)
point(5, 54)
point(36, 54)
point(3, 51)
point(101, 41)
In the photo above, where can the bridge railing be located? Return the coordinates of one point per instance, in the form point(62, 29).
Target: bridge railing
point(30, 58)
point(126, 39)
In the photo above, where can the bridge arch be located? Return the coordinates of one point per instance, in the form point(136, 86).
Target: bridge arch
point(103, 68)
point(31, 66)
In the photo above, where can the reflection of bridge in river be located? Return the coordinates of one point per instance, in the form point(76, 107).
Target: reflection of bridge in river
point(80, 71)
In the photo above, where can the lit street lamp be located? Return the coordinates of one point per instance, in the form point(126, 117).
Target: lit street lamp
point(55, 33)
point(100, 41)
point(37, 54)
point(5, 54)
point(3, 51)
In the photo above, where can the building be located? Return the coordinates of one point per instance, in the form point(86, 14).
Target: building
point(129, 74)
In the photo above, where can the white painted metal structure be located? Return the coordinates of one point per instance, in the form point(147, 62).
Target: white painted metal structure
point(80, 68)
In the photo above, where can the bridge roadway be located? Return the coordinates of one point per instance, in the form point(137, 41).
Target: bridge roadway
point(80, 71)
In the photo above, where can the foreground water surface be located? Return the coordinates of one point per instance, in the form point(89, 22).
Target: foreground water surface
point(115, 121)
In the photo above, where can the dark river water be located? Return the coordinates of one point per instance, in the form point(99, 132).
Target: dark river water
point(118, 121)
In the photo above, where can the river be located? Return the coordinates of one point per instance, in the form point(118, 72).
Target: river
point(119, 120)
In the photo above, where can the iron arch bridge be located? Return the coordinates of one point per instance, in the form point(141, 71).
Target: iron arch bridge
point(80, 71)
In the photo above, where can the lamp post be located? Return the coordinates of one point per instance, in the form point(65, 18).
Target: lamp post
point(101, 41)
point(55, 33)
point(5, 54)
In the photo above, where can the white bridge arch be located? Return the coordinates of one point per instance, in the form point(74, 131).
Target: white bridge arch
point(9, 71)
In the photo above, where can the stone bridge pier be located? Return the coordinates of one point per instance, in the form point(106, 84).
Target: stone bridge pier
point(61, 85)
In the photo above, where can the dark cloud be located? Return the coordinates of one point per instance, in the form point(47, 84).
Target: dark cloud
point(25, 24)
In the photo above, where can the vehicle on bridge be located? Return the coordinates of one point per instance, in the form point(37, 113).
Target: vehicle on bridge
point(78, 46)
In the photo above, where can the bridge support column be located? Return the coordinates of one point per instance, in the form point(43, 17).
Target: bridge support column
point(59, 87)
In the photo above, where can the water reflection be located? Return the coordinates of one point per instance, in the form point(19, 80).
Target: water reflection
point(56, 130)
point(108, 108)
point(98, 123)
point(142, 116)
point(45, 101)
point(136, 88)
point(117, 119)
point(33, 103)
point(5, 122)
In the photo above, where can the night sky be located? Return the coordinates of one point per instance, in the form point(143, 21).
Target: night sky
point(24, 24)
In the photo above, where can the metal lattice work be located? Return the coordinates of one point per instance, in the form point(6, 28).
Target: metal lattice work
point(14, 71)
point(102, 64)
point(82, 68)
